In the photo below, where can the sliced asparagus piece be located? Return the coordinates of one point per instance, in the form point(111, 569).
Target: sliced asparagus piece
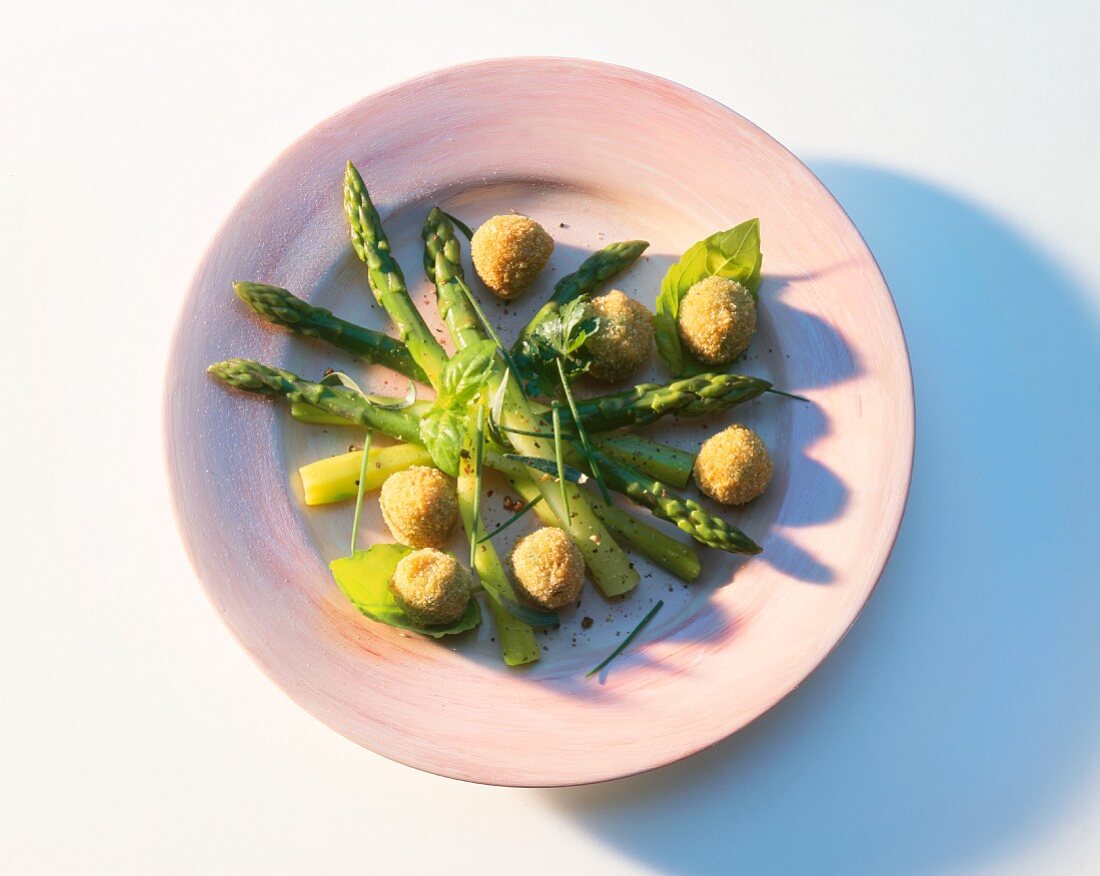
point(337, 478)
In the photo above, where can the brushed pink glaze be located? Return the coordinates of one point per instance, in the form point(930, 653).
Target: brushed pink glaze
point(610, 153)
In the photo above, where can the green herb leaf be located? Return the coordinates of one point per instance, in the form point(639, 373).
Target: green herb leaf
point(392, 404)
point(626, 642)
point(364, 577)
point(479, 452)
point(531, 616)
point(459, 224)
point(522, 511)
point(441, 431)
point(565, 332)
point(734, 254)
point(561, 336)
point(559, 457)
point(361, 485)
point(466, 373)
point(549, 466)
point(582, 433)
point(488, 327)
point(384, 402)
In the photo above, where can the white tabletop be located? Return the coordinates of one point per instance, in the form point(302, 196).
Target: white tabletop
point(955, 730)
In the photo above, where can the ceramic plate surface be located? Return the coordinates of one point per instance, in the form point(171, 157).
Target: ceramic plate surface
point(595, 153)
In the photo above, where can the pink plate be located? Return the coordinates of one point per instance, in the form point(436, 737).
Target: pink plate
point(595, 153)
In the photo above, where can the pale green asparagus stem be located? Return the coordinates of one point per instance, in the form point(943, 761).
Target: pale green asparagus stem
point(336, 478)
point(517, 640)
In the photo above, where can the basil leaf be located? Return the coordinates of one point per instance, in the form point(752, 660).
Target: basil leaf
point(466, 373)
point(441, 431)
point(364, 578)
point(734, 254)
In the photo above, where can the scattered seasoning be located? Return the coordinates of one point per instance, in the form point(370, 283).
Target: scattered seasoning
point(586, 623)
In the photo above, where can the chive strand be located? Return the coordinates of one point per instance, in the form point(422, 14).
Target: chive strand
point(479, 451)
point(360, 491)
point(559, 456)
point(626, 642)
point(582, 433)
point(527, 507)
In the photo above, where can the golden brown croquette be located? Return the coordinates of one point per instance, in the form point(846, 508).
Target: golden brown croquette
point(548, 567)
point(420, 506)
point(733, 466)
point(431, 586)
point(624, 339)
point(717, 320)
point(508, 253)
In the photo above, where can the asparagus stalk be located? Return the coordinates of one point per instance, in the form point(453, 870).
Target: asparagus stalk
point(337, 478)
point(660, 461)
point(690, 397)
point(609, 566)
point(688, 515)
point(594, 270)
point(280, 307)
point(337, 401)
point(306, 413)
point(386, 280)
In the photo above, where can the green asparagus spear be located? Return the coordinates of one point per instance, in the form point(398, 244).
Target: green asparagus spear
point(386, 280)
point(338, 401)
point(443, 265)
point(690, 397)
point(598, 267)
point(688, 515)
point(280, 307)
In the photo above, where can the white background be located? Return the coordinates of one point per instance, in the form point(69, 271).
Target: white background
point(956, 729)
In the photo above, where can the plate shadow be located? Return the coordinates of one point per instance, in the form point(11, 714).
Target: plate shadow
point(959, 716)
